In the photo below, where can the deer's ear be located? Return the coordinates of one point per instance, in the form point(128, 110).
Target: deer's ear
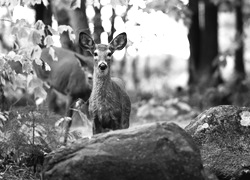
point(119, 42)
point(86, 42)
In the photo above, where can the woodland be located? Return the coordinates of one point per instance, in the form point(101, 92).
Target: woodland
point(183, 59)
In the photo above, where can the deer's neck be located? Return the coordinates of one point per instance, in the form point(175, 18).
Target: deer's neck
point(101, 84)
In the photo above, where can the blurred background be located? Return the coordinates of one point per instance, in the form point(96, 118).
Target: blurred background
point(190, 53)
point(182, 57)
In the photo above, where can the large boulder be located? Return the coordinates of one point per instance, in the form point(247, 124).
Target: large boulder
point(152, 151)
point(223, 135)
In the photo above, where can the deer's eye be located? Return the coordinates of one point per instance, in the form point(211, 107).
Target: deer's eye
point(109, 54)
point(95, 54)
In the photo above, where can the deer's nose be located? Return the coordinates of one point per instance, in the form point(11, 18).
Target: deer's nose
point(103, 66)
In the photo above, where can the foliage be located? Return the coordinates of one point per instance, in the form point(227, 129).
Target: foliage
point(175, 8)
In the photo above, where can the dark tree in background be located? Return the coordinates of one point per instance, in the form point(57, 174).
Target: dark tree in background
point(203, 39)
point(239, 52)
point(98, 29)
point(43, 13)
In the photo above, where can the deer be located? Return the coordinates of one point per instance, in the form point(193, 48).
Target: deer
point(109, 103)
point(66, 82)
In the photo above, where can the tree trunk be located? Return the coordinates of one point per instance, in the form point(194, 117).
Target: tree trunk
point(43, 13)
point(98, 29)
point(194, 41)
point(239, 53)
point(112, 19)
point(203, 38)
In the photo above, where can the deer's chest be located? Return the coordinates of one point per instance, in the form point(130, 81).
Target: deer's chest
point(106, 108)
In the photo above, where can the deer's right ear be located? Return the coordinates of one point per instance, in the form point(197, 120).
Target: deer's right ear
point(86, 42)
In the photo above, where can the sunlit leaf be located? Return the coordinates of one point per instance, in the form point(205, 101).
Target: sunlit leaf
point(54, 32)
point(75, 4)
point(40, 93)
point(48, 41)
point(11, 54)
point(63, 28)
point(60, 122)
point(47, 67)
point(39, 62)
point(2, 81)
point(39, 25)
point(45, 2)
point(34, 2)
point(52, 54)
point(14, 30)
point(35, 37)
point(27, 67)
point(36, 52)
point(72, 36)
point(119, 2)
point(35, 82)
point(22, 33)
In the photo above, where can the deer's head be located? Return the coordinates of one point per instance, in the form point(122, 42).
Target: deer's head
point(102, 53)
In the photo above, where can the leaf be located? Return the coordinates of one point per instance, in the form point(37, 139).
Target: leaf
point(14, 30)
point(22, 33)
point(39, 62)
point(54, 32)
point(35, 37)
point(11, 54)
point(52, 54)
point(72, 37)
point(36, 52)
point(40, 93)
point(60, 122)
point(34, 2)
point(63, 28)
point(75, 4)
point(39, 25)
point(114, 3)
point(47, 67)
point(45, 2)
point(2, 81)
point(48, 41)
point(27, 67)
point(34, 83)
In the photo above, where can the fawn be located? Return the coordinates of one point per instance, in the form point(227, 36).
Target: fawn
point(109, 104)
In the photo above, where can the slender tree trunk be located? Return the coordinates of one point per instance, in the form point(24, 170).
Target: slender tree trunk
point(194, 41)
point(98, 29)
point(209, 37)
point(112, 19)
point(239, 53)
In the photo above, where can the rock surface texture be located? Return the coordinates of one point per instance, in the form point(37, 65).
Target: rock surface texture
point(223, 135)
point(152, 151)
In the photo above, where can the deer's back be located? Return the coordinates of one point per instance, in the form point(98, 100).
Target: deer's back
point(66, 76)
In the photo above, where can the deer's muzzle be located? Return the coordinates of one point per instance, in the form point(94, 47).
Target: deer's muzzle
point(102, 66)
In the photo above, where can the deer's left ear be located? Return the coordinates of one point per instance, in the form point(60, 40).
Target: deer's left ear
point(119, 42)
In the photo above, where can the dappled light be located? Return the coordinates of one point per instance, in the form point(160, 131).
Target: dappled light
point(90, 77)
